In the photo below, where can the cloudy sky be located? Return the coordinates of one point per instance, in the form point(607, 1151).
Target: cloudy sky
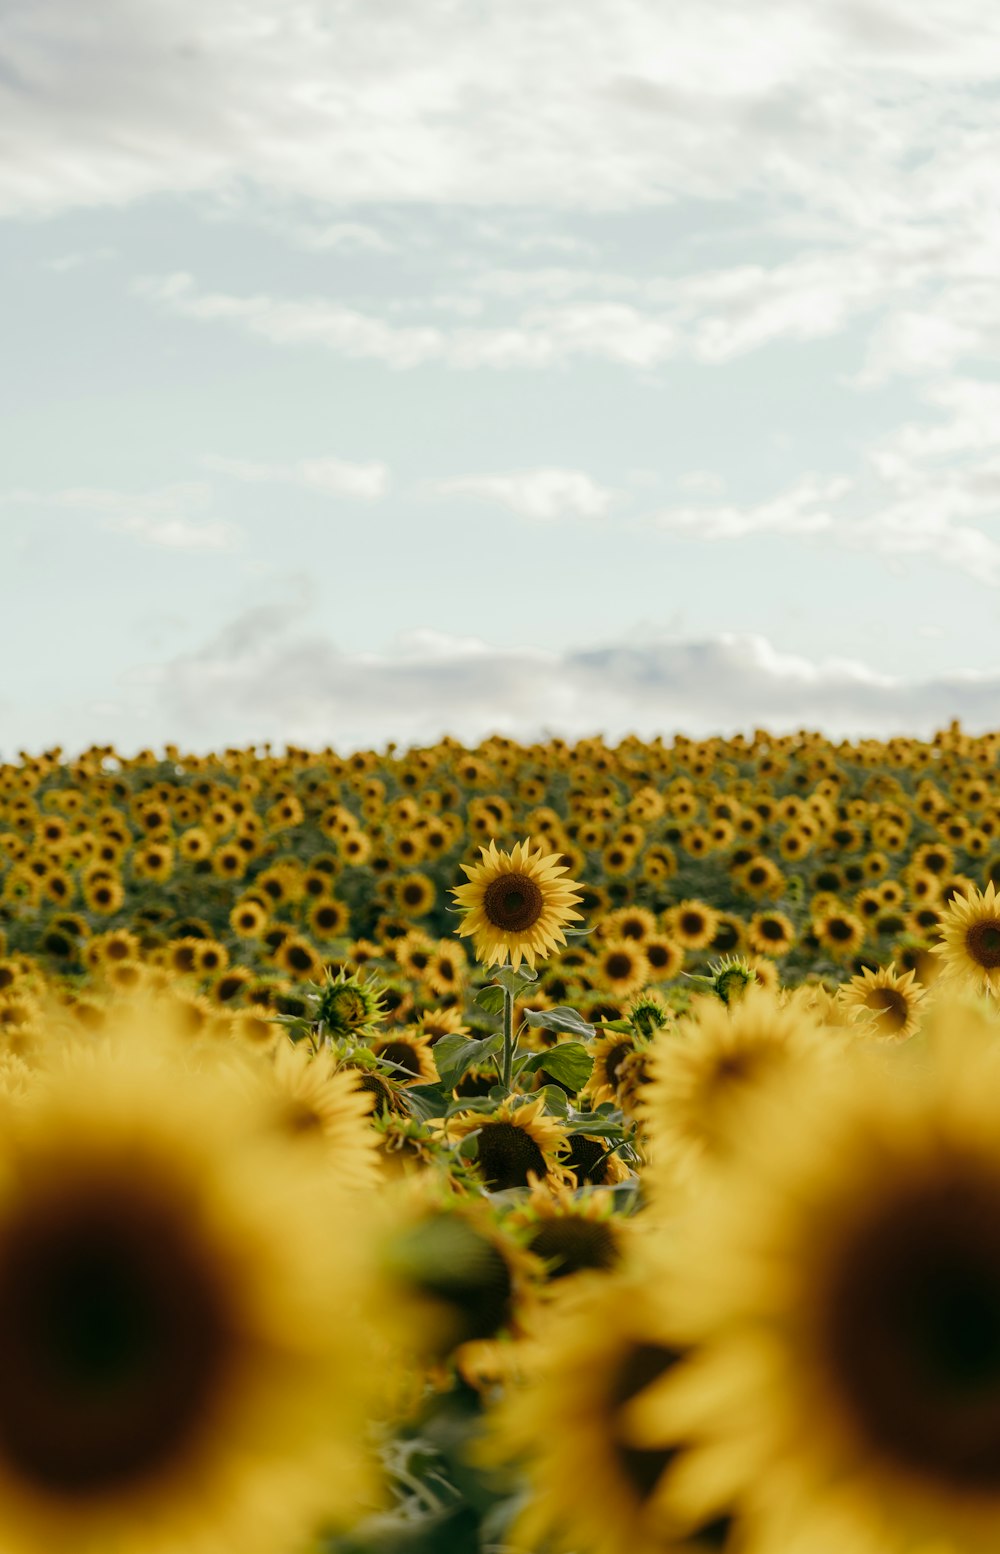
point(373, 369)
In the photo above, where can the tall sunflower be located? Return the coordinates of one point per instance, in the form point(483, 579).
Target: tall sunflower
point(516, 905)
point(176, 1375)
point(843, 1287)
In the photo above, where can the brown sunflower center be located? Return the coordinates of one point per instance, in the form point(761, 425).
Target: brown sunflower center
point(982, 940)
point(618, 967)
point(914, 1331)
point(452, 1261)
point(570, 1244)
point(506, 1155)
point(513, 902)
point(642, 1466)
point(402, 1054)
point(113, 1341)
point(889, 1007)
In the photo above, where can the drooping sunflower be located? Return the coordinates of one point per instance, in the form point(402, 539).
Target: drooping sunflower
point(970, 939)
point(886, 1002)
point(516, 905)
point(515, 1141)
point(844, 1282)
point(176, 1375)
point(571, 1232)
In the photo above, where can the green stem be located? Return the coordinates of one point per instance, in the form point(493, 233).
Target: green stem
point(508, 1038)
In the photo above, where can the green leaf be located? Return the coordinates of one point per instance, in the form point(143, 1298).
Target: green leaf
point(556, 1101)
point(515, 982)
point(460, 1054)
point(427, 1101)
point(491, 999)
point(569, 1062)
point(561, 1018)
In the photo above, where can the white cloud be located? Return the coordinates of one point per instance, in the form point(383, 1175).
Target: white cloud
point(801, 510)
point(263, 677)
point(76, 261)
point(168, 516)
point(333, 477)
point(541, 337)
point(538, 493)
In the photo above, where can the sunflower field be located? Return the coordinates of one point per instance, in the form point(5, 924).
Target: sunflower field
point(528, 1149)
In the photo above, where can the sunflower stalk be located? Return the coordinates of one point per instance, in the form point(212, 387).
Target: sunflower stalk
point(508, 1040)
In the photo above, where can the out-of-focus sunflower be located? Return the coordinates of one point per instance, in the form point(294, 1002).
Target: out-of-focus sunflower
point(706, 1071)
point(620, 966)
point(839, 932)
point(844, 1282)
point(516, 905)
point(885, 1002)
point(307, 1098)
point(770, 933)
point(609, 1052)
point(176, 1373)
point(970, 939)
point(571, 1233)
point(692, 924)
point(592, 1355)
point(415, 894)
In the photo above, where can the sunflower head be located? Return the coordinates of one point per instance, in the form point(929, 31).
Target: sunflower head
point(348, 1005)
point(516, 905)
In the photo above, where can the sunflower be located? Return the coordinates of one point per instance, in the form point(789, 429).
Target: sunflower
point(249, 918)
point(887, 1002)
point(328, 918)
point(309, 1099)
point(692, 924)
point(705, 1073)
point(664, 958)
point(435, 1023)
point(839, 932)
point(621, 967)
point(516, 905)
point(571, 1233)
point(609, 1053)
point(844, 1282)
point(514, 1142)
point(415, 894)
point(175, 1373)
point(970, 939)
point(592, 1355)
point(446, 970)
point(409, 1053)
point(770, 933)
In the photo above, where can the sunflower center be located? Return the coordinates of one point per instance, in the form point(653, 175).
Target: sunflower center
point(889, 1007)
point(113, 1341)
point(915, 1332)
point(571, 1244)
point(457, 1265)
point(506, 1155)
point(402, 1055)
point(642, 1466)
point(513, 902)
point(982, 941)
point(618, 966)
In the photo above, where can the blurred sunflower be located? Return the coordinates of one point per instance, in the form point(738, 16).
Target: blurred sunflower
point(173, 1378)
point(970, 939)
point(844, 1284)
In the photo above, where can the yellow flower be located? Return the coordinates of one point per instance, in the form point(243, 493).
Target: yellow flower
point(887, 1002)
point(516, 905)
point(177, 1371)
point(842, 1286)
point(970, 938)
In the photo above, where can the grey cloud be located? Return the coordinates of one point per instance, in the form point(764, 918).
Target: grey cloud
point(264, 678)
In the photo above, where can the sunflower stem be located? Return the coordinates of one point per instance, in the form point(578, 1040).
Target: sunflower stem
point(508, 1038)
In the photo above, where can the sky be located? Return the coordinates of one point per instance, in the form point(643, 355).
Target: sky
point(372, 370)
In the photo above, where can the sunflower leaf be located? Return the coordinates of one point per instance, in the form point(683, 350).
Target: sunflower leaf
point(455, 1054)
point(491, 999)
point(569, 1062)
point(561, 1018)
